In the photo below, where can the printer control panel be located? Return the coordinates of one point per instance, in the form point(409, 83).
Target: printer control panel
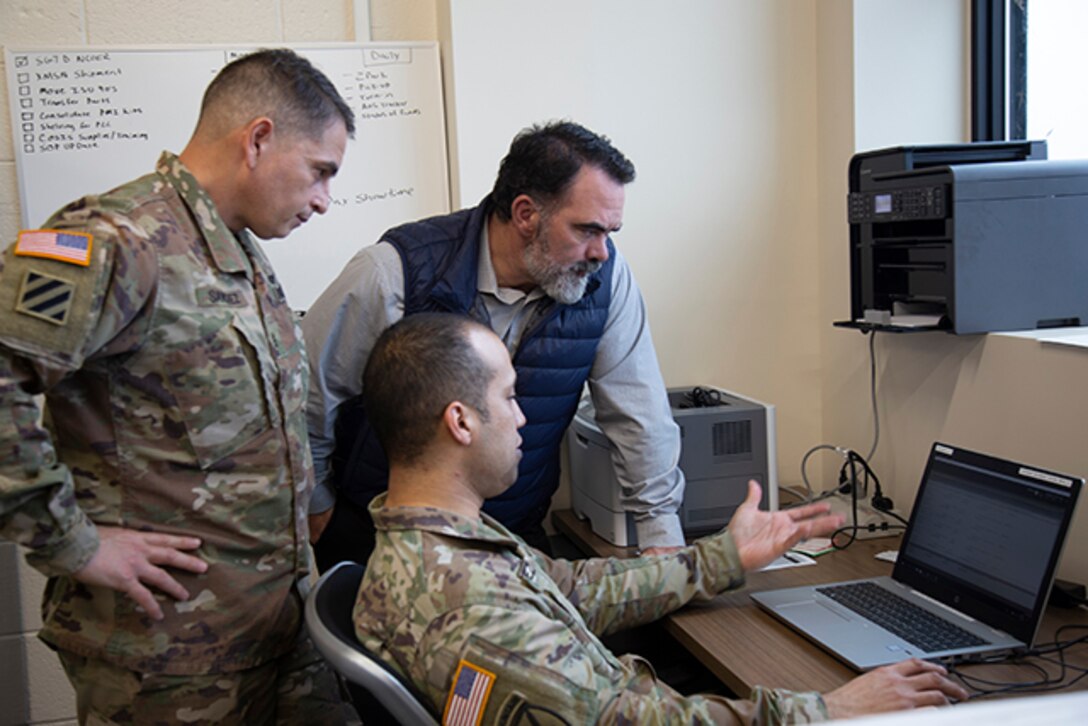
point(898, 205)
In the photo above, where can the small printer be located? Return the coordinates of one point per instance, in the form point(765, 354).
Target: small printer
point(725, 440)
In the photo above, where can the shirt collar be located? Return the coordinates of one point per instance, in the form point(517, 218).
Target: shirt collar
point(439, 521)
point(488, 283)
point(224, 246)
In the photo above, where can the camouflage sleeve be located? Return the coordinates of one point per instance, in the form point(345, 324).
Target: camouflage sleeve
point(777, 705)
point(614, 594)
point(764, 707)
point(37, 501)
point(538, 670)
point(38, 507)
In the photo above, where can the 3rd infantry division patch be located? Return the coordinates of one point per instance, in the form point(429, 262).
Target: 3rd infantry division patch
point(45, 297)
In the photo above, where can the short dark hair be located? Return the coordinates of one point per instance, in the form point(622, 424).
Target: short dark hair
point(277, 83)
point(544, 159)
point(417, 368)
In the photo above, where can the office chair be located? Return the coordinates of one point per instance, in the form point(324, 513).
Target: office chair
point(328, 618)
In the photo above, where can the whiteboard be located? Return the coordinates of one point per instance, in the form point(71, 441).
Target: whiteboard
point(88, 119)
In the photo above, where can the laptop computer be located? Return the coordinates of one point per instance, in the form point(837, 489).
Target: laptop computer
point(976, 563)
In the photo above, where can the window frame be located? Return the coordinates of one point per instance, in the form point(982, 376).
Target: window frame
point(998, 69)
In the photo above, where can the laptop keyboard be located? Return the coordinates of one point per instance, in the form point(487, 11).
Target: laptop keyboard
point(913, 624)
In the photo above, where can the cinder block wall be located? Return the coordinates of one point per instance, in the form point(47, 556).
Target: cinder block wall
point(13, 680)
point(33, 688)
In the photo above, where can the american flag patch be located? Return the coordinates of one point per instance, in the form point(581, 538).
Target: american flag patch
point(71, 247)
point(468, 695)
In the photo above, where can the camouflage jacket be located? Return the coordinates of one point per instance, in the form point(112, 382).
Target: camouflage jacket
point(174, 380)
point(479, 621)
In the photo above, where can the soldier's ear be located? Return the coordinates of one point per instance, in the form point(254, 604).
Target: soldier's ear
point(257, 136)
point(458, 421)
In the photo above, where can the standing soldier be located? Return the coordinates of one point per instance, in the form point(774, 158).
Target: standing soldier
point(167, 499)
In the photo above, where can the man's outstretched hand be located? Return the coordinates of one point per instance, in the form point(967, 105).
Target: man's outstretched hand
point(128, 560)
point(762, 536)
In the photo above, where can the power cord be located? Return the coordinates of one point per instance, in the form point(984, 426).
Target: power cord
point(872, 393)
point(1034, 661)
point(878, 501)
point(849, 481)
point(699, 397)
point(856, 478)
point(809, 495)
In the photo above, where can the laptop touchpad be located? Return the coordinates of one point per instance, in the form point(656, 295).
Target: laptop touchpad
point(812, 613)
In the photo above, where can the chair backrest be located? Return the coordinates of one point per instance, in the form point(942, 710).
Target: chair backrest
point(328, 618)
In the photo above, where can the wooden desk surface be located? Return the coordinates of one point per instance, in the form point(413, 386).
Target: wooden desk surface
point(744, 646)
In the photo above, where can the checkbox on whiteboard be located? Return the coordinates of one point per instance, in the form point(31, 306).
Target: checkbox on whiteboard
point(26, 103)
point(28, 148)
point(27, 116)
point(22, 78)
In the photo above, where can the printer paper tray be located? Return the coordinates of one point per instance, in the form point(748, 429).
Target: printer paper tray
point(889, 327)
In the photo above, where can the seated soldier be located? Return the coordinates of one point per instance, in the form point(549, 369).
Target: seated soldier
point(483, 625)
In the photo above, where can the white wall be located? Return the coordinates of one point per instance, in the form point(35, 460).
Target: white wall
point(910, 72)
point(715, 103)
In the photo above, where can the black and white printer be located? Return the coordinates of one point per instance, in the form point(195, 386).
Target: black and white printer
point(726, 439)
point(969, 238)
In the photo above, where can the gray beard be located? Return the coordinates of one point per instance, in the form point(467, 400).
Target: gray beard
point(565, 285)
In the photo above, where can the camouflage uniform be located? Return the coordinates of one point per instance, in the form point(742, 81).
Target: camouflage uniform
point(445, 596)
point(174, 378)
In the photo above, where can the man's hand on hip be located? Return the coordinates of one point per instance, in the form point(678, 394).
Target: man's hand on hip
point(128, 560)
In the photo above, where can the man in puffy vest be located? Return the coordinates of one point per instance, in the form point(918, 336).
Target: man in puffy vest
point(535, 263)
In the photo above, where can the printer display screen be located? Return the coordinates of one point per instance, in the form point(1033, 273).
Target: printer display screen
point(882, 203)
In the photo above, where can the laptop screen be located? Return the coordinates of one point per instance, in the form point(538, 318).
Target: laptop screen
point(985, 536)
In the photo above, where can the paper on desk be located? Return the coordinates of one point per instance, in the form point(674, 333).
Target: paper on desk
point(814, 546)
point(790, 559)
point(1077, 337)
